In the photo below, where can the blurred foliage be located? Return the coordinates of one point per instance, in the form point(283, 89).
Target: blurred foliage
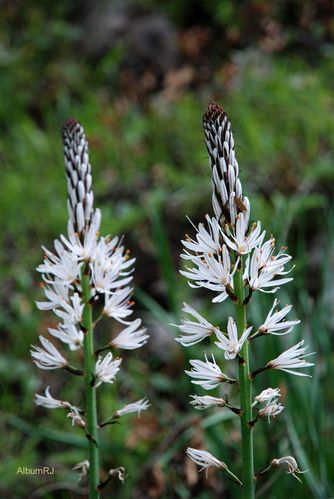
point(271, 64)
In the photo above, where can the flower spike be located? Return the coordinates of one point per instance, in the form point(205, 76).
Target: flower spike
point(229, 255)
point(84, 271)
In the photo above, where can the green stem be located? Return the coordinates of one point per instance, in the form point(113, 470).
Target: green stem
point(91, 412)
point(248, 490)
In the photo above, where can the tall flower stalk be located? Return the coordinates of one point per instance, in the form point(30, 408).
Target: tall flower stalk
point(231, 257)
point(87, 278)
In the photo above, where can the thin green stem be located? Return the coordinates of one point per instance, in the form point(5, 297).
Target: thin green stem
point(248, 490)
point(90, 389)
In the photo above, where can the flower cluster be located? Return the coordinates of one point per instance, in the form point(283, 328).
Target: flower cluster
point(108, 268)
point(231, 257)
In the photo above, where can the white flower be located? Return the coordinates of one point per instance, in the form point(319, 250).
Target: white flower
point(56, 294)
point(267, 396)
point(275, 321)
point(291, 359)
point(49, 358)
point(139, 406)
point(110, 253)
point(131, 337)
point(117, 304)
point(62, 265)
point(48, 401)
point(207, 241)
point(262, 268)
point(72, 312)
point(194, 332)
point(238, 241)
point(207, 374)
point(271, 409)
point(205, 459)
point(212, 272)
point(83, 468)
point(70, 334)
point(231, 344)
point(206, 401)
point(108, 249)
point(83, 250)
point(290, 463)
point(68, 308)
point(109, 267)
point(106, 369)
point(266, 258)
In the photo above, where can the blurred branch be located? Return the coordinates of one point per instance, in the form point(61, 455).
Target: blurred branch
point(41, 491)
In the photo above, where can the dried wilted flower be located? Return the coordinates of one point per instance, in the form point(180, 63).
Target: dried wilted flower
point(290, 463)
point(206, 401)
point(205, 459)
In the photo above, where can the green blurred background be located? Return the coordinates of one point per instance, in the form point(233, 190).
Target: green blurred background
point(138, 76)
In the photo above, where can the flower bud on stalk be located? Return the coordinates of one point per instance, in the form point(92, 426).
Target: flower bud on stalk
point(79, 175)
point(227, 199)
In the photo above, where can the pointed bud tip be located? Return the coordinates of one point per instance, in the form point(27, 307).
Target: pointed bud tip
point(213, 111)
point(69, 125)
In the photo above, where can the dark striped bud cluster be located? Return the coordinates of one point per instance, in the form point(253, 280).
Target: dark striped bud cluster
point(79, 178)
point(227, 199)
